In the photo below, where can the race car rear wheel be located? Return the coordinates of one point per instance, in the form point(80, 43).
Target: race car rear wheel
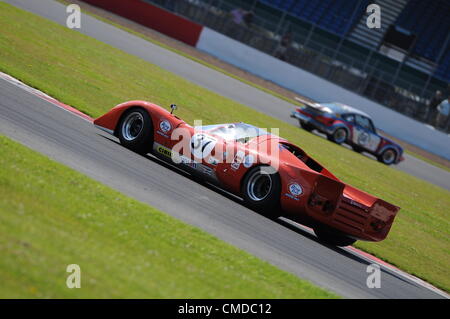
point(135, 130)
point(330, 237)
point(388, 157)
point(339, 136)
point(261, 188)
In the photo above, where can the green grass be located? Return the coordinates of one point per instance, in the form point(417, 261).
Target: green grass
point(52, 216)
point(93, 77)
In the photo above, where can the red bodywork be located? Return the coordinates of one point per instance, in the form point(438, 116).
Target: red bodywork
point(323, 198)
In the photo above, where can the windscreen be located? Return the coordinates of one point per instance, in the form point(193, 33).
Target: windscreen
point(234, 132)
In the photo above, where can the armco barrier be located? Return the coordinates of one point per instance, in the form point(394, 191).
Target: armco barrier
point(153, 17)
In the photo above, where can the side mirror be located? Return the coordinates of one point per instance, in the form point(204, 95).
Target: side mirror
point(173, 107)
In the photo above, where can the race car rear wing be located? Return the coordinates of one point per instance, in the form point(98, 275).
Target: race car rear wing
point(314, 107)
point(305, 102)
point(362, 215)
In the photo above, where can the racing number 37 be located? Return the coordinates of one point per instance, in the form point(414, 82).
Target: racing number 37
point(202, 145)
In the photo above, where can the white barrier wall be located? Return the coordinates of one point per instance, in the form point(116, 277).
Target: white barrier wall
point(316, 88)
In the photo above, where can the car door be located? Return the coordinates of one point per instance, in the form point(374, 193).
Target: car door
point(364, 134)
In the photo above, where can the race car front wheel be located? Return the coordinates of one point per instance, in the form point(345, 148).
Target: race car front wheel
point(135, 130)
point(261, 190)
point(330, 237)
point(339, 136)
point(388, 157)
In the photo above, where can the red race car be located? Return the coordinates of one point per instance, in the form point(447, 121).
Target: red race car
point(345, 124)
point(272, 175)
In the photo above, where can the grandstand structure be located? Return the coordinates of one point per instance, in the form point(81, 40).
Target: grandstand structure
point(399, 65)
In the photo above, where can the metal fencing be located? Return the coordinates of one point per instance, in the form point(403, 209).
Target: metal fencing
point(361, 75)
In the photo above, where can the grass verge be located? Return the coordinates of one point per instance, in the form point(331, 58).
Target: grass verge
point(93, 77)
point(52, 216)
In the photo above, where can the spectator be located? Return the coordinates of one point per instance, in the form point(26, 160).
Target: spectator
point(242, 17)
point(237, 16)
point(443, 111)
point(283, 46)
point(432, 106)
point(237, 20)
point(248, 19)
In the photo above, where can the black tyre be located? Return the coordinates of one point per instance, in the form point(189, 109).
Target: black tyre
point(339, 136)
point(388, 157)
point(135, 131)
point(261, 190)
point(333, 238)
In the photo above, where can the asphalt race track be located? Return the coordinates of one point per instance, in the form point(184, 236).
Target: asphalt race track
point(204, 76)
point(74, 141)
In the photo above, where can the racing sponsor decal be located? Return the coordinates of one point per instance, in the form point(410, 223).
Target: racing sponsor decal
point(164, 151)
point(202, 145)
point(366, 139)
point(248, 161)
point(207, 170)
point(188, 162)
point(165, 126)
point(363, 138)
point(213, 161)
point(295, 190)
point(237, 160)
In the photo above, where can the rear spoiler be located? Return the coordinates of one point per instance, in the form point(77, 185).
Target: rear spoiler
point(305, 102)
point(378, 208)
point(316, 106)
point(328, 191)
